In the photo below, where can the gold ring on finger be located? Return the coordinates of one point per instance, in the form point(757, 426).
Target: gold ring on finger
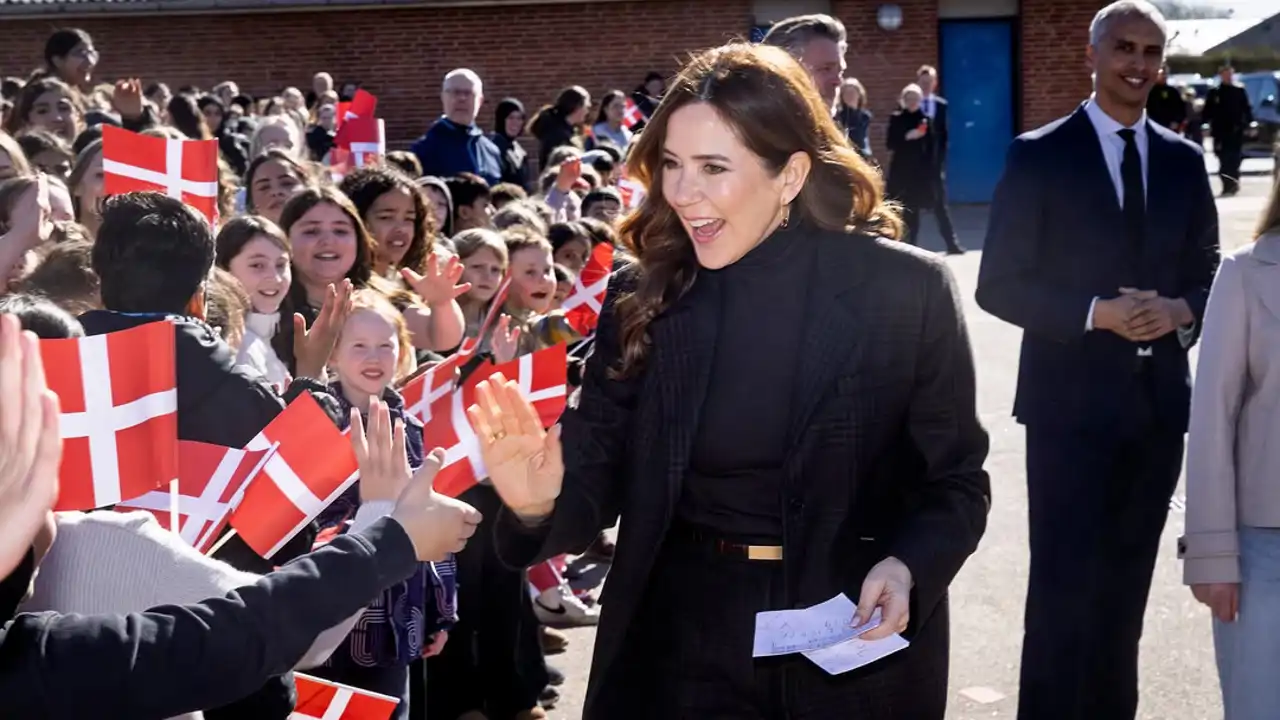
point(498, 435)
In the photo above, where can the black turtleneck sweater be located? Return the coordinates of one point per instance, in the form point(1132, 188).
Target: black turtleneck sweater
point(734, 485)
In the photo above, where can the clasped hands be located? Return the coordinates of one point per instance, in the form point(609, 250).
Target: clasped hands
point(1141, 315)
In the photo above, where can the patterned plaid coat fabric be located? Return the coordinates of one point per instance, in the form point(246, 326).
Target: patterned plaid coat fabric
point(886, 459)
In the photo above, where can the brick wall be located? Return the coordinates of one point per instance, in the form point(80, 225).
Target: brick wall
point(1055, 73)
point(529, 51)
point(886, 61)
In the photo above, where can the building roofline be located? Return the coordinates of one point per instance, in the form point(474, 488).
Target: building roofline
point(134, 8)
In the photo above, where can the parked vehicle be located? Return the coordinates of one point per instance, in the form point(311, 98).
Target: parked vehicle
point(1262, 135)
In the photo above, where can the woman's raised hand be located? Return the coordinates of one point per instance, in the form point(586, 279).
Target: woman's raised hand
point(524, 461)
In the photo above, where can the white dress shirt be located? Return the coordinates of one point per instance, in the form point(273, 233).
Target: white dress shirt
point(929, 105)
point(1108, 129)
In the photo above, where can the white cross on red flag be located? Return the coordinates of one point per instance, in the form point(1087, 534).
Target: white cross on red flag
point(211, 481)
point(363, 104)
point(365, 138)
point(542, 379)
point(312, 465)
point(582, 308)
point(186, 170)
point(119, 414)
point(325, 700)
point(422, 392)
point(632, 115)
point(631, 190)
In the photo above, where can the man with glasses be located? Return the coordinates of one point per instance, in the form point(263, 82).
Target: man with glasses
point(455, 144)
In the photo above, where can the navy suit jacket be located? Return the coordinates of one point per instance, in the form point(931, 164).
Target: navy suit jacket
point(1056, 240)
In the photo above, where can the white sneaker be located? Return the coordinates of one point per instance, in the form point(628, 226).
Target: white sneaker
point(558, 607)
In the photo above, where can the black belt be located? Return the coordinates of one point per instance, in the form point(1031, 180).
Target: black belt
point(720, 545)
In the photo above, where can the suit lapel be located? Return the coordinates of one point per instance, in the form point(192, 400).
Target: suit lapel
point(1097, 178)
point(684, 341)
point(831, 332)
point(1160, 176)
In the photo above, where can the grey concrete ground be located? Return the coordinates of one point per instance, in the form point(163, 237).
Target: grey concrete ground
point(1178, 675)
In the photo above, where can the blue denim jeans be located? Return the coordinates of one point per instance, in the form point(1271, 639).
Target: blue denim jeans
point(1248, 650)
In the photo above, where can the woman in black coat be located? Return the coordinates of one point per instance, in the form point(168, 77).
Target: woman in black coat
point(560, 124)
point(508, 125)
point(846, 459)
point(911, 169)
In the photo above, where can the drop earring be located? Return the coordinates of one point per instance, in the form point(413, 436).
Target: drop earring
point(786, 216)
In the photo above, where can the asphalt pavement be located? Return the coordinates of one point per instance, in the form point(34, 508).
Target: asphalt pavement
point(1178, 676)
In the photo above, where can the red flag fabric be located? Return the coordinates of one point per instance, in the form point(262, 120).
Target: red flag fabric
point(119, 414)
point(364, 138)
point(542, 379)
point(211, 481)
point(632, 115)
point(363, 104)
point(421, 393)
point(183, 169)
point(325, 700)
point(632, 192)
point(582, 308)
point(312, 465)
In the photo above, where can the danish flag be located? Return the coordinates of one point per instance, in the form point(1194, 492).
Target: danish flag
point(183, 169)
point(422, 392)
point(582, 308)
point(364, 104)
point(312, 465)
point(632, 191)
point(211, 481)
point(119, 414)
point(324, 700)
point(365, 138)
point(632, 115)
point(542, 379)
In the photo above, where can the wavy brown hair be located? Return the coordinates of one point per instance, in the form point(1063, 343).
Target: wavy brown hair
point(770, 102)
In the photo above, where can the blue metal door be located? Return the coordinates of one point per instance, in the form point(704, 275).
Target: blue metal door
point(977, 81)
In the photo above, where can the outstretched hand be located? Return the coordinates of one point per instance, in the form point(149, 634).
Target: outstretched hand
point(30, 443)
point(313, 348)
point(524, 460)
point(505, 341)
point(380, 453)
point(439, 282)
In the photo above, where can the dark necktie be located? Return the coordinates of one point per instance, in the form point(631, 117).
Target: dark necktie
point(1135, 203)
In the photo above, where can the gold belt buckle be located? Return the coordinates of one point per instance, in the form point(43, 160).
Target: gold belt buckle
point(764, 552)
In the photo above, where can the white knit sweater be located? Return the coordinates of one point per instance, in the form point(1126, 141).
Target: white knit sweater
point(256, 351)
point(114, 563)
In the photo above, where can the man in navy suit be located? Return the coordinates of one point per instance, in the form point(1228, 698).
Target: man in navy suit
point(935, 107)
point(1102, 244)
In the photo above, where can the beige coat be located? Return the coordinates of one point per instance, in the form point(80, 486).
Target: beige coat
point(1233, 443)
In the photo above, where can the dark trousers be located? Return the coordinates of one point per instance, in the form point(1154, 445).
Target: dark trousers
point(1097, 507)
point(1230, 152)
point(911, 214)
point(493, 660)
point(689, 652)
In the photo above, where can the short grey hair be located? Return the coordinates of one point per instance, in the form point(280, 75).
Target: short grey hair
point(794, 33)
point(1102, 22)
point(468, 74)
